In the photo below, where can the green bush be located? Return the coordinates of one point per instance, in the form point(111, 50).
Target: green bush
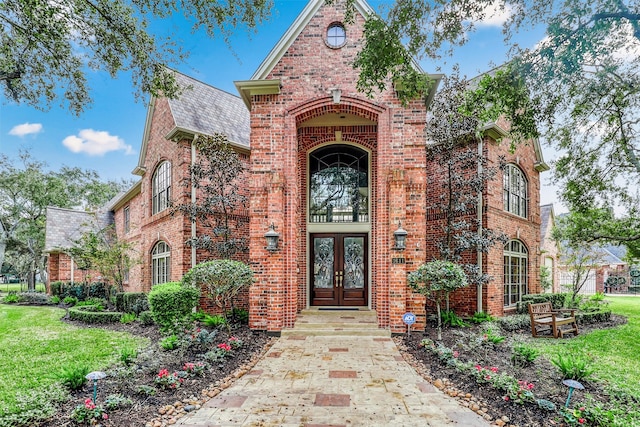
point(38, 298)
point(11, 298)
point(574, 366)
point(222, 278)
point(73, 377)
point(481, 317)
point(89, 314)
point(55, 299)
point(146, 318)
point(523, 354)
point(450, 318)
point(557, 301)
point(56, 288)
point(128, 318)
point(131, 302)
point(171, 302)
point(34, 407)
point(70, 301)
point(214, 321)
point(514, 322)
point(128, 355)
point(169, 343)
point(602, 315)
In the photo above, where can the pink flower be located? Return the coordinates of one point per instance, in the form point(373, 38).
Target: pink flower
point(488, 377)
point(163, 373)
point(224, 346)
point(456, 354)
point(478, 367)
point(105, 416)
point(581, 420)
point(506, 398)
point(582, 408)
point(494, 369)
point(233, 339)
point(530, 386)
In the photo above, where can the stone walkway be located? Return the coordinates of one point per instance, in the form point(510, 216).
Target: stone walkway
point(318, 381)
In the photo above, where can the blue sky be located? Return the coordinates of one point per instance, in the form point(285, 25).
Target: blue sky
point(108, 135)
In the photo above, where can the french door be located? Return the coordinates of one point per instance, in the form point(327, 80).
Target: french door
point(339, 269)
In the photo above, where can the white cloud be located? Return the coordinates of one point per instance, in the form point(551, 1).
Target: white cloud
point(26, 129)
point(495, 16)
point(95, 143)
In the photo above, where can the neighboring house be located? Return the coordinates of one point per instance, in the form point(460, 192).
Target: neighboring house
point(302, 127)
point(63, 228)
point(548, 247)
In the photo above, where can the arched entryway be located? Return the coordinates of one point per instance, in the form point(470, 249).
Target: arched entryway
point(339, 225)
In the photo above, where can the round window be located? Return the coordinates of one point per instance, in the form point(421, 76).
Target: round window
point(336, 35)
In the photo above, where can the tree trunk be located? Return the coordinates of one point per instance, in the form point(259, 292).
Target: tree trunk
point(439, 321)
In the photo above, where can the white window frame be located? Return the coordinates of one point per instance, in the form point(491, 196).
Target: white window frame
point(161, 187)
point(516, 272)
point(160, 263)
point(515, 191)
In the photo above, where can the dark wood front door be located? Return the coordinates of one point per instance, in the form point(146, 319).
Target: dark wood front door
point(339, 269)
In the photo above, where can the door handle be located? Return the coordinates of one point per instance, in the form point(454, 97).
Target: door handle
point(340, 276)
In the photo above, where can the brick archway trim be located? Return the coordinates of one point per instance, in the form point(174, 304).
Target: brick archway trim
point(349, 105)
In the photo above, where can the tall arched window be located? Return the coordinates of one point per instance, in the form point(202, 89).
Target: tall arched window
point(160, 263)
point(161, 187)
point(339, 184)
point(515, 272)
point(515, 191)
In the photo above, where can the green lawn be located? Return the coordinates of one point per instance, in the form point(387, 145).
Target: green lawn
point(19, 287)
point(616, 351)
point(35, 345)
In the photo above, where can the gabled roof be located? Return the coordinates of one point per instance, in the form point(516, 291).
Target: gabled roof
point(547, 218)
point(201, 109)
point(63, 226)
point(294, 31)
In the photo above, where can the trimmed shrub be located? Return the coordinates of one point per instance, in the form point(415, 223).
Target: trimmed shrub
point(35, 298)
point(514, 322)
point(557, 301)
point(90, 314)
point(171, 302)
point(132, 302)
point(593, 316)
point(56, 288)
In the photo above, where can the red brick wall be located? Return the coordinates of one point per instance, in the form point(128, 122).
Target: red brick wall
point(280, 143)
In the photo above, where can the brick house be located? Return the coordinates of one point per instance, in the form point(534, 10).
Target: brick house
point(337, 174)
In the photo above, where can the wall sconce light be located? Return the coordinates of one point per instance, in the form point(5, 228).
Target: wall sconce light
point(400, 237)
point(272, 238)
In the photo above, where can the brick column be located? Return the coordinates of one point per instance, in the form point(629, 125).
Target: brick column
point(397, 266)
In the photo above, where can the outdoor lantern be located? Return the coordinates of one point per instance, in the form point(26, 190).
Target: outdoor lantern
point(400, 237)
point(95, 376)
point(572, 384)
point(272, 238)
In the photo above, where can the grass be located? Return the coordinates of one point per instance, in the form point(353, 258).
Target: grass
point(616, 351)
point(35, 347)
point(19, 287)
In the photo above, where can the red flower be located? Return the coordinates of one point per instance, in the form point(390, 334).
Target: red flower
point(494, 369)
point(105, 416)
point(581, 420)
point(506, 398)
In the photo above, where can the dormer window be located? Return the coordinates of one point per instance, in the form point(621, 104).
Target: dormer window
point(336, 35)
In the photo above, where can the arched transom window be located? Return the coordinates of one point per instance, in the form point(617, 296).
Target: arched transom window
point(515, 272)
point(339, 184)
point(515, 191)
point(160, 263)
point(161, 187)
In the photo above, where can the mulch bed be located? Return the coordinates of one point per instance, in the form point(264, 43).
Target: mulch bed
point(165, 405)
point(545, 376)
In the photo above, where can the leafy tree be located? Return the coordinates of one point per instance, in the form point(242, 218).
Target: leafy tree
point(579, 256)
point(581, 79)
point(436, 280)
point(546, 282)
point(455, 132)
point(102, 251)
point(223, 279)
point(27, 188)
point(220, 206)
point(47, 48)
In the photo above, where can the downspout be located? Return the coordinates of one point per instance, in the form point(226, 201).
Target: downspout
point(72, 269)
point(193, 200)
point(479, 217)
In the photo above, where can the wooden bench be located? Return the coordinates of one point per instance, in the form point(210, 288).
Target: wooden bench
point(544, 317)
